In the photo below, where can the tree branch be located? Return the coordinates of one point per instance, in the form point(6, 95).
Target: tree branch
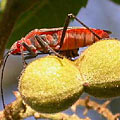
point(100, 108)
point(18, 111)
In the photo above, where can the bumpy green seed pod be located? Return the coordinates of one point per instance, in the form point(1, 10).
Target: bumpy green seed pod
point(50, 84)
point(99, 66)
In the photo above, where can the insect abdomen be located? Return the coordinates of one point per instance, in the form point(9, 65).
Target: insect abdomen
point(76, 38)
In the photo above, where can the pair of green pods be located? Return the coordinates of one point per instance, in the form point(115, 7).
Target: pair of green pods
point(51, 84)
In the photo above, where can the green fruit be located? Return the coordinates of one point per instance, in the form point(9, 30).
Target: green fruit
point(99, 66)
point(50, 84)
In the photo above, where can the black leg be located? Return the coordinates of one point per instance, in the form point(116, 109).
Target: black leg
point(30, 50)
point(67, 21)
point(45, 46)
point(29, 57)
point(41, 42)
point(69, 16)
point(23, 60)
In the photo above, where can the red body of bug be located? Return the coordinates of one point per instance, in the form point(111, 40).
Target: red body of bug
point(75, 38)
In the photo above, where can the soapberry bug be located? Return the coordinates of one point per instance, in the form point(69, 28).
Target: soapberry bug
point(60, 41)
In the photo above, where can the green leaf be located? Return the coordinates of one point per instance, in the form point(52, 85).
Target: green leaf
point(116, 1)
point(2, 4)
point(45, 14)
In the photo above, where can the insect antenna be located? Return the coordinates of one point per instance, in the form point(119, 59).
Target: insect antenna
point(2, 73)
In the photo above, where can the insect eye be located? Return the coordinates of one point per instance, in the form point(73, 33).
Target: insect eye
point(18, 44)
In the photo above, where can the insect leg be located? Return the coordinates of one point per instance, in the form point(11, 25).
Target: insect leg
point(29, 48)
point(67, 21)
point(23, 58)
point(46, 46)
point(41, 40)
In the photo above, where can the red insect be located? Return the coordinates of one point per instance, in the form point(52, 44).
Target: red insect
point(75, 38)
point(65, 41)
